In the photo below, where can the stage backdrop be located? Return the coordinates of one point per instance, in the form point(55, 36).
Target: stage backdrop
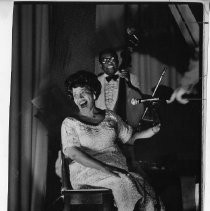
point(53, 40)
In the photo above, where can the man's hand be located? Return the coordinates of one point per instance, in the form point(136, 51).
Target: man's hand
point(125, 74)
point(178, 95)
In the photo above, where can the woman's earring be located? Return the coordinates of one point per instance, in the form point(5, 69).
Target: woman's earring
point(94, 96)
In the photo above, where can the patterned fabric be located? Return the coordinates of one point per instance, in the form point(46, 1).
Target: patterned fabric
point(110, 91)
point(99, 141)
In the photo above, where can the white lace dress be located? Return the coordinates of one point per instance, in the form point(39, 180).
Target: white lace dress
point(99, 141)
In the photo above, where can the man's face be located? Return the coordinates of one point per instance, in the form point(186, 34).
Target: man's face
point(109, 64)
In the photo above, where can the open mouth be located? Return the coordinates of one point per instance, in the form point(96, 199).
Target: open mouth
point(110, 66)
point(83, 104)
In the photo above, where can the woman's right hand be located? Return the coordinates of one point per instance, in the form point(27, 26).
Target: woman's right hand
point(115, 171)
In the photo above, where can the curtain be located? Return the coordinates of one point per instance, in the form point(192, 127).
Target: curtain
point(149, 59)
point(72, 47)
point(28, 141)
point(6, 12)
point(149, 69)
point(50, 41)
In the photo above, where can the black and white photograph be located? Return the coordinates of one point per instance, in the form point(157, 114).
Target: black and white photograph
point(107, 105)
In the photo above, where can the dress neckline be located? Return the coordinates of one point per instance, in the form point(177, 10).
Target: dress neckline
point(91, 124)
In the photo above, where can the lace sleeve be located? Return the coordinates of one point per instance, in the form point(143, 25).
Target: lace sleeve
point(124, 130)
point(69, 136)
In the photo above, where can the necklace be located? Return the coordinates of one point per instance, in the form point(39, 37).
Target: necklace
point(91, 116)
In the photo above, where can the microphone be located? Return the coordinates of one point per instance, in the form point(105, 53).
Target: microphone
point(131, 32)
point(135, 101)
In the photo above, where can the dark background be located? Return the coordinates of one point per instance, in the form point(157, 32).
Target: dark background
point(74, 45)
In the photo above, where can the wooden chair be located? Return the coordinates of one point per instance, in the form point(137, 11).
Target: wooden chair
point(100, 197)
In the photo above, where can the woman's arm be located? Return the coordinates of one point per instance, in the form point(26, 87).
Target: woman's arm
point(72, 149)
point(83, 158)
point(144, 134)
point(126, 134)
point(58, 169)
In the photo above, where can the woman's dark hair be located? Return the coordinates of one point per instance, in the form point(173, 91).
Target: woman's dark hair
point(108, 51)
point(83, 78)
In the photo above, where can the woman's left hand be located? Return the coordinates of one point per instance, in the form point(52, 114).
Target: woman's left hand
point(156, 129)
point(148, 133)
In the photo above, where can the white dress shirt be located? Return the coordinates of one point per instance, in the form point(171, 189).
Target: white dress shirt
point(110, 91)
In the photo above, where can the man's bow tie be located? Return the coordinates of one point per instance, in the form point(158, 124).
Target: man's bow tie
point(112, 77)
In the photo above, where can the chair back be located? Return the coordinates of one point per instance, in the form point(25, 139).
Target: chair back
point(101, 197)
point(65, 177)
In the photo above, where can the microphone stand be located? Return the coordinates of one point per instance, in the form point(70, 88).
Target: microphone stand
point(154, 92)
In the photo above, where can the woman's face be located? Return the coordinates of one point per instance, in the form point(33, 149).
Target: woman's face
point(83, 98)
